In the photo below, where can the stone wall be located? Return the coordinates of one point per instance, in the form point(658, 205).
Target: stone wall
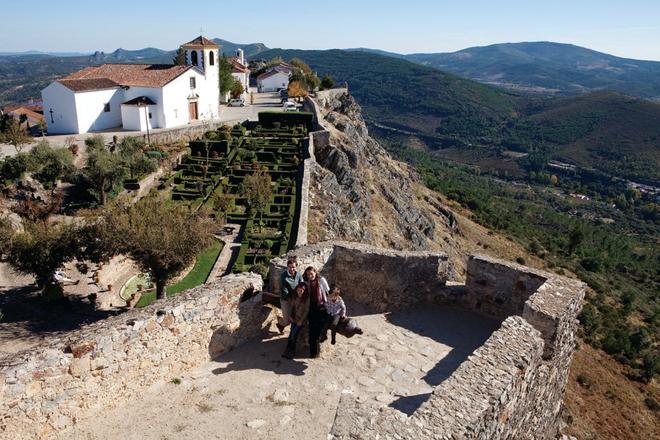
point(186, 133)
point(510, 387)
point(51, 387)
point(369, 275)
point(499, 290)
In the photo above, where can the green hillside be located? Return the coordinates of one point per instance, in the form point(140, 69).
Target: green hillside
point(409, 96)
point(613, 133)
point(547, 68)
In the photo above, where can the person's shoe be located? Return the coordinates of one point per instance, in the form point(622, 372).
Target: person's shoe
point(287, 354)
point(333, 341)
point(280, 327)
point(323, 338)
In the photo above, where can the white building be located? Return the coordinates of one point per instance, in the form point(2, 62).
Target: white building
point(275, 78)
point(240, 71)
point(134, 96)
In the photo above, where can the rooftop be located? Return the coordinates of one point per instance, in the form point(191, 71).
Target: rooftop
point(115, 75)
point(200, 42)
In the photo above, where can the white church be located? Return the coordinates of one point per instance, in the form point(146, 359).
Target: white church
point(136, 96)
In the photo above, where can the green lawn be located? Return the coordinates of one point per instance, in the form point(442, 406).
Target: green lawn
point(195, 277)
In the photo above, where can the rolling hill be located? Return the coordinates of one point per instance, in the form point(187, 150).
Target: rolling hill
point(546, 68)
point(608, 131)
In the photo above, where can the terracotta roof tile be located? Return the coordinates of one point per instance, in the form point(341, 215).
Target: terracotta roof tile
point(271, 73)
point(84, 84)
point(237, 66)
point(201, 42)
point(113, 75)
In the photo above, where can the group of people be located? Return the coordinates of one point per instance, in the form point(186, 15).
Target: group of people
point(307, 300)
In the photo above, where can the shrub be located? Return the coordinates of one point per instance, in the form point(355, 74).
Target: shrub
point(583, 380)
point(261, 269)
point(520, 260)
point(327, 82)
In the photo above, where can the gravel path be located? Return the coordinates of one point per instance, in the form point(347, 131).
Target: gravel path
point(253, 393)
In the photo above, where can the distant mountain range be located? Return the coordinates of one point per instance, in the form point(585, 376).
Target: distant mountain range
point(545, 68)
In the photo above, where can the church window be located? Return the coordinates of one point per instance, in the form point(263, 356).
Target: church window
point(211, 59)
point(193, 58)
point(106, 107)
point(192, 83)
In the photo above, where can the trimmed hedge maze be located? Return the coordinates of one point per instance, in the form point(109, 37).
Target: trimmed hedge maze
point(212, 176)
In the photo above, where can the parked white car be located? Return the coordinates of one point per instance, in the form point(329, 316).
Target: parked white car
point(290, 106)
point(236, 103)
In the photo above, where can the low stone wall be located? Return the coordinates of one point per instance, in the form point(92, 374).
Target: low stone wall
point(50, 388)
point(497, 288)
point(186, 133)
point(371, 276)
point(510, 387)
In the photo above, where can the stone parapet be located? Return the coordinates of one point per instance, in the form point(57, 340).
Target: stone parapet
point(510, 387)
point(49, 388)
point(369, 275)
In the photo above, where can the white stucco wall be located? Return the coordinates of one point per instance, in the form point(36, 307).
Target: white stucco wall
point(89, 109)
point(156, 95)
point(272, 83)
point(176, 93)
point(62, 101)
point(136, 117)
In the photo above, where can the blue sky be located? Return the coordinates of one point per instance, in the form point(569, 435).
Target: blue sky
point(625, 28)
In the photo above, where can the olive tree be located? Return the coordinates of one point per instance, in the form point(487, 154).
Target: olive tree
point(41, 248)
point(103, 168)
point(12, 133)
point(257, 189)
point(161, 238)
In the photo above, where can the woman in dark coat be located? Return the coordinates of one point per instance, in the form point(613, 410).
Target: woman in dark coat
point(318, 289)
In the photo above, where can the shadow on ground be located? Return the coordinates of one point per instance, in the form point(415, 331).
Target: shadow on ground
point(460, 330)
point(266, 356)
point(26, 312)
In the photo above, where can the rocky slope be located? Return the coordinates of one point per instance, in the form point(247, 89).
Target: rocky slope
point(359, 193)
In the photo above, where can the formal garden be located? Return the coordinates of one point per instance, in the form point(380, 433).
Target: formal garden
point(247, 176)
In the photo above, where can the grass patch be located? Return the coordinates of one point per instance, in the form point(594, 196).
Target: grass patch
point(196, 277)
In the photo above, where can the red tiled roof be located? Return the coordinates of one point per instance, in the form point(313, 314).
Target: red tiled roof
point(31, 115)
point(270, 73)
point(114, 75)
point(201, 42)
point(237, 67)
point(83, 84)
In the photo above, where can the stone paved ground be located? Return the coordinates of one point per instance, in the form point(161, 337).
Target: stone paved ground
point(253, 393)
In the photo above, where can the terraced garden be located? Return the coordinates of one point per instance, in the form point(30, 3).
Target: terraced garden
point(212, 179)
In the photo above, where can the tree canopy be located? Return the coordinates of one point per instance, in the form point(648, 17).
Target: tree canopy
point(162, 238)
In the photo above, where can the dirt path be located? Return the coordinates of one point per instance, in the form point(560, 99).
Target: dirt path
point(253, 393)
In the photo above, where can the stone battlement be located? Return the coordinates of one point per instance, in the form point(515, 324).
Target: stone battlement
point(51, 387)
point(510, 387)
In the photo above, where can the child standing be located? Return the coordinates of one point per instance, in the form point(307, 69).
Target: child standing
point(336, 310)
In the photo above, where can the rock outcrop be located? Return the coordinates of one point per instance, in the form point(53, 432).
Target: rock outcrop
point(358, 192)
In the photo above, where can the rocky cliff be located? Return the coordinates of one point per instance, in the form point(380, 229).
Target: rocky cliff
point(358, 192)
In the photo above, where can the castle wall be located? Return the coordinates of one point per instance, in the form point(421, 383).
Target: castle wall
point(50, 387)
point(510, 387)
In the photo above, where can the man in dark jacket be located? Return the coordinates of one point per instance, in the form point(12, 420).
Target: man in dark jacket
point(289, 279)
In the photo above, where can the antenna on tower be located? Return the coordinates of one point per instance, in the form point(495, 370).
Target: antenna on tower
point(201, 31)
